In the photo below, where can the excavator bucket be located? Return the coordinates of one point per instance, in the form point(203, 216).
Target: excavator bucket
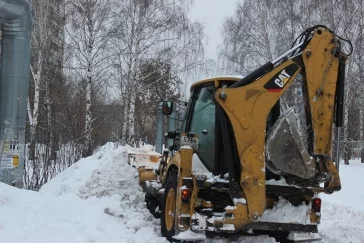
point(285, 151)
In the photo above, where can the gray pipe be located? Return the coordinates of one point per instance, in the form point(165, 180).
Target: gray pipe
point(171, 125)
point(14, 81)
point(159, 129)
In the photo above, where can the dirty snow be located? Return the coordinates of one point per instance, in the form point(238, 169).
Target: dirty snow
point(98, 200)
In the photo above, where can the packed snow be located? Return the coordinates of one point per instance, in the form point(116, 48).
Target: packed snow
point(98, 200)
point(188, 234)
point(283, 211)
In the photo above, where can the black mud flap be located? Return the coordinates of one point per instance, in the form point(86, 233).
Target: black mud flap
point(287, 227)
point(286, 232)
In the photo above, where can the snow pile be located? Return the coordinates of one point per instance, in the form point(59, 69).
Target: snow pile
point(28, 216)
point(98, 199)
point(284, 212)
point(77, 178)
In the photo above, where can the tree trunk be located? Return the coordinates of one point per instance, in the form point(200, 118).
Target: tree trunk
point(126, 102)
point(34, 116)
point(361, 135)
point(346, 149)
point(88, 120)
point(131, 118)
point(90, 67)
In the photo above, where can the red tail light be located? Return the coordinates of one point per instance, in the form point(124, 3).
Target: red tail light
point(316, 205)
point(185, 195)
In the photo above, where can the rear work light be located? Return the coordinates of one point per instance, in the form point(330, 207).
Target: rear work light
point(316, 205)
point(185, 195)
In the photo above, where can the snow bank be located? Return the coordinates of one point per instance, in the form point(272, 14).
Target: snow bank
point(104, 173)
point(98, 199)
point(28, 216)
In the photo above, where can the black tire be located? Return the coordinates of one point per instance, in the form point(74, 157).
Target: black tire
point(152, 204)
point(171, 184)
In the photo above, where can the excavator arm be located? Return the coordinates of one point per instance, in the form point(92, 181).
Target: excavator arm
point(245, 105)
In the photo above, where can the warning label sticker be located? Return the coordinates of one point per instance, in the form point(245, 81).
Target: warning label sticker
point(6, 163)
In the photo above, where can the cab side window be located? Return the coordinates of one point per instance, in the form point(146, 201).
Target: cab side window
point(203, 125)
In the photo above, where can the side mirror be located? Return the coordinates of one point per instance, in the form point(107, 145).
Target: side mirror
point(171, 134)
point(167, 108)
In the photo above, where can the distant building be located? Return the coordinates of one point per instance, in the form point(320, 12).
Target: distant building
point(52, 12)
point(49, 40)
point(57, 13)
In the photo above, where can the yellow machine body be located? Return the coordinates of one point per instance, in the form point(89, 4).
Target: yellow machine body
point(247, 107)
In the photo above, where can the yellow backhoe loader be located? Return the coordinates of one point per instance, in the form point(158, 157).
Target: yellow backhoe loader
point(237, 160)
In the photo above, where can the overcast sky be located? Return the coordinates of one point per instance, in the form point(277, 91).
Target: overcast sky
point(212, 14)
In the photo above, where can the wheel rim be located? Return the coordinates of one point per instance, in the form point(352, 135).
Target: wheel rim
point(169, 210)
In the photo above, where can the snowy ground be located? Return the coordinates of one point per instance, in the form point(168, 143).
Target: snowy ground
point(77, 207)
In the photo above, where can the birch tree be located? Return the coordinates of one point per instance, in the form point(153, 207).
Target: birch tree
point(41, 36)
point(88, 34)
point(358, 60)
point(40, 42)
point(150, 28)
point(259, 30)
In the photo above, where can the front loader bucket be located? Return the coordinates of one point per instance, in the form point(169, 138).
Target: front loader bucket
point(285, 151)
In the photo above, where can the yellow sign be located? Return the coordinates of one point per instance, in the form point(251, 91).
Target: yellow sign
point(15, 161)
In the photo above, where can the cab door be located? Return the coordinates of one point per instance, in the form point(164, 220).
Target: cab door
point(201, 119)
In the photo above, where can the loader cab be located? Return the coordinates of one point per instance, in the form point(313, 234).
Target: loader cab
point(201, 119)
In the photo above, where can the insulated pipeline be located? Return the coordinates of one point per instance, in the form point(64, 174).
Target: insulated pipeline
point(16, 25)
